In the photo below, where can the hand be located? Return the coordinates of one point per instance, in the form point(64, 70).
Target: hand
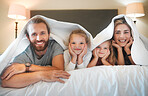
point(106, 55)
point(104, 59)
point(73, 54)
point(116, 45)
point(95, 53)
point(84, 51)
point(127, 46)
point(15, 68)
point(81, 55)
point(54, 75)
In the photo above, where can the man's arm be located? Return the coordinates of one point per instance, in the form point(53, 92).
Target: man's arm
point(25, 79)
point(17, 68)
point(58, 62)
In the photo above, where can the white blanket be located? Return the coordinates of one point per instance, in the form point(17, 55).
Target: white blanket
point(60, 31)
point(139, 50)
point(96, 81)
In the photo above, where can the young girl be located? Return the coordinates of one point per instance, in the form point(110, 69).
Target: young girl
point(103, 55)
point(78, 55)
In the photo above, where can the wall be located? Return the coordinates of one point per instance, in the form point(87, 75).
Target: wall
point(7, 26)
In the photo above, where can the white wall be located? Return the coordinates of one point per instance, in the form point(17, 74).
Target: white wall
point(7, 26)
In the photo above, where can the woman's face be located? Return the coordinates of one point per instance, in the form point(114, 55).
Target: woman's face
point(77, 43)
point(122, 34)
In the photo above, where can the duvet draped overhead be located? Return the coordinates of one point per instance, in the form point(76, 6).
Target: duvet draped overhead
point(59, 31)
point(139, 49)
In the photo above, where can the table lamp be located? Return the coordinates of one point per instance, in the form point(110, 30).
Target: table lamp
point(17, 12)
point(135, 10)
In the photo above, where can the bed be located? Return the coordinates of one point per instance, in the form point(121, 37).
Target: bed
point(96, 81)
point(131, 80)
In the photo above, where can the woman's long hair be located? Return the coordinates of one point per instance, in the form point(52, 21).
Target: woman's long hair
point(111, 58)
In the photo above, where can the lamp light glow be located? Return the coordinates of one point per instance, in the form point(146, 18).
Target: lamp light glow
point(135, 10)
point(16, 12)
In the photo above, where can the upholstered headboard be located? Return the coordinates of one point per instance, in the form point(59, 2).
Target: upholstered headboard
point(93, 20)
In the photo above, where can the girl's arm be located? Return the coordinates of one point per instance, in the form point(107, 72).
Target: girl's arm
point(81, 55)
point(105, 62)
point(94, 60)
point(68, 64)
point(120, 59)
point(104, 59)
point(86, 60)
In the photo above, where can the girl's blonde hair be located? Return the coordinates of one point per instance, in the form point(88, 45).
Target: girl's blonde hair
point(111, 57)
point(81, 33)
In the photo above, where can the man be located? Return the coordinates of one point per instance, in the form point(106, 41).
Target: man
point(42, 59)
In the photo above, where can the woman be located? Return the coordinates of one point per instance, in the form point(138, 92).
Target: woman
point(122, 42)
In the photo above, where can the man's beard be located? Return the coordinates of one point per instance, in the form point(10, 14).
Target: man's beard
point(40, 48)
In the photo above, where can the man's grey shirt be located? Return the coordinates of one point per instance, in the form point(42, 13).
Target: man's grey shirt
point(29, 56)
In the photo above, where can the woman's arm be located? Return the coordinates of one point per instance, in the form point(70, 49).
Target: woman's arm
point(120, 58)
point(128, 51)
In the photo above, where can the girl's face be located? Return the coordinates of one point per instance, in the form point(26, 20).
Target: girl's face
point(122, 34)
point(77, 43)
point(103, 48)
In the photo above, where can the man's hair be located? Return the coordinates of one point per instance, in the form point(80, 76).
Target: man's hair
point(36, 21)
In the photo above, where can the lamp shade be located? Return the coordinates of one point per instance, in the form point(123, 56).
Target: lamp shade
point(17, 11)
point(135, 10)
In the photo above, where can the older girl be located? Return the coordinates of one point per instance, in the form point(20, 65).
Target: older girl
point(78, 55)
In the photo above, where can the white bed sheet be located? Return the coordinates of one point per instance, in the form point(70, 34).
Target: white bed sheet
point(96, 81)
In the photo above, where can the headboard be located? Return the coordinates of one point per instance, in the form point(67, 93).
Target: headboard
point(92, 20)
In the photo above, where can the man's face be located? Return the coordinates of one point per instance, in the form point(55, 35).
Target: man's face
point(38, 36)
